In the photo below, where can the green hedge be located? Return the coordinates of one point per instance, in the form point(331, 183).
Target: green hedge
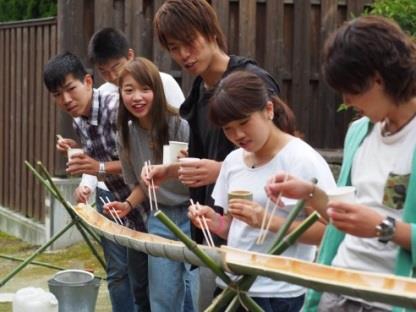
point(402, 11)
point(16, 10)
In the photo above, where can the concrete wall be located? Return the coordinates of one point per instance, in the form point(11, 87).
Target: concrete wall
point(56, 217)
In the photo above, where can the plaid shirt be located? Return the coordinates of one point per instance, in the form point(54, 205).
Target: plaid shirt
point(98, 135)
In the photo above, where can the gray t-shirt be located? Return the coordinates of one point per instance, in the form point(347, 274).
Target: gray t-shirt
point(171, 192)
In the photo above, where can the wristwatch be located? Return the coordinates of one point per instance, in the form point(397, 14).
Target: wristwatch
point(386, 229)
point(101, 171)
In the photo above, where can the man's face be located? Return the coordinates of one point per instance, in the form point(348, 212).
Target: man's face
point(74, 97)
point(196, 57)
point(110, 70)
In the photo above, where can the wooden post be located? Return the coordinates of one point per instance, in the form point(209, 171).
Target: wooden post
point(75, 27)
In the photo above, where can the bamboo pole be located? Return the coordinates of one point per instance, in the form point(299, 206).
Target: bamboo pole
point(37, 252)
point(42, 264)
point(205, 258)
point(57, 194)
point(246, 281)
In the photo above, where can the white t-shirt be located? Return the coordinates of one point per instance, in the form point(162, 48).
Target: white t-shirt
point(298, 159)
point(173, 91)
point(380, 173)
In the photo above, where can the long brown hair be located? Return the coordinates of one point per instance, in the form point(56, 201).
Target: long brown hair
point(146, 73)
point(183, 19)
point(242, 93)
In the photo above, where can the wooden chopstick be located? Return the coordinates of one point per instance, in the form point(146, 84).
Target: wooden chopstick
point(111, 213)
point(153, 187)
point(204, 230)
point(148, 188)
point(266, 230)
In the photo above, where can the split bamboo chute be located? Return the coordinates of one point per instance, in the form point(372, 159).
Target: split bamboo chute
point(399, 291)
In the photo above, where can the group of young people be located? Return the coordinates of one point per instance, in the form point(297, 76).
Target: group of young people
point(244, 137)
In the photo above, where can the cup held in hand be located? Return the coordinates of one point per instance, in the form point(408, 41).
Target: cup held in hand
point(241, 194)
point(343, 193)
point(172, 151)
point(73, 151)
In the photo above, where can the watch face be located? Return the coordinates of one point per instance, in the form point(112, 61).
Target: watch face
point(386, 229)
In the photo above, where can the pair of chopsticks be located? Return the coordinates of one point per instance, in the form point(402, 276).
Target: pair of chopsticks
point(112, 211)
point(264, 229)
point(151, 190)
point(204, 226)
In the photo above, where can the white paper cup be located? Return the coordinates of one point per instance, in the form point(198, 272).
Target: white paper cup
point(73, 151)
point(343, 193)
point(175, 148)
point(166, 155)
point(188, 160)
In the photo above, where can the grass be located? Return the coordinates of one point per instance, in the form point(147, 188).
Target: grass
point(77, 256)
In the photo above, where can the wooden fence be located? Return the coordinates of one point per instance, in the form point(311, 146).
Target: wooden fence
point(27, 116)
point(284, 36)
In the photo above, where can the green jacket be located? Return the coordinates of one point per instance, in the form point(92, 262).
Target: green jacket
point(406, 260)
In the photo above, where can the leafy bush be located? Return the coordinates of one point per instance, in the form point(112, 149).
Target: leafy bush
point(16, 10)
point(402, 11)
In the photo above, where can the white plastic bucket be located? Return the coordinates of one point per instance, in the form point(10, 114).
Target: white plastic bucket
point(31, 299)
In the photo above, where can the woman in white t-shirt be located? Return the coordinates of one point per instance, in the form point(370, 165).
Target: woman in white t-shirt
point(263, 127)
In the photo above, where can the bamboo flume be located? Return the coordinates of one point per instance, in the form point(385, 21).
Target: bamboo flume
point(390, 289)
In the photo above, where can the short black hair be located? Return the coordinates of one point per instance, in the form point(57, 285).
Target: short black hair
point(59, 67)
point(107, 43)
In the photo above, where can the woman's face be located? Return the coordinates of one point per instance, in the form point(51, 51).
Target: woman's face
point(137, 98)
point(373, 103)
point(196, 57)
point(250, 133)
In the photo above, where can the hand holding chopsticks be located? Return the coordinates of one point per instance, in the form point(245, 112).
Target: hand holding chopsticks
point(64, 144)
point(109, 208)
point(264, 229)
point(202, 222)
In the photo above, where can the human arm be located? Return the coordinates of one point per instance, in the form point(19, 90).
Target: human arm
point(252, 213)
point(199, 173)
point(159, 173)
point(218, 224)
point(82, 163)
point(295, 188)
point(360, 220)
point(135, 198)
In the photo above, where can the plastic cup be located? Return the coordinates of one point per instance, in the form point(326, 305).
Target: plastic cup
point(72, 151)
point(343, 193)
point(175, 148)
